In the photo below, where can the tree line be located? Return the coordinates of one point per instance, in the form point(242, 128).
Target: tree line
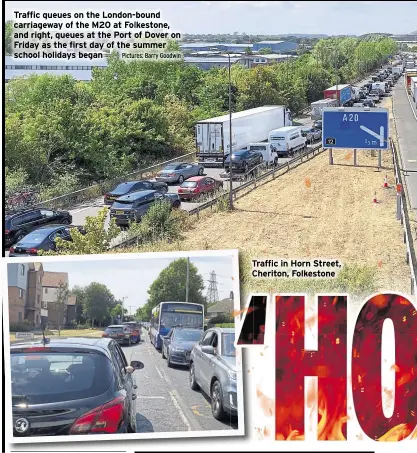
point(62, 134)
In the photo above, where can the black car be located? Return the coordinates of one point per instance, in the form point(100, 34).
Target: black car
point(72, 386)
point(43, 239)
point(133, 186)
point(318, 124)
point(19, 224)
point(243, 160)
point(177, 345)
point(135, 205)
point(122, 333)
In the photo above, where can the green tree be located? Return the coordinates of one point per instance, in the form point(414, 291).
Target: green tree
point(79, 294)
point(98, 303)
point(265, 51)
point(171, 285)
point(117, 311)
point(8, 37)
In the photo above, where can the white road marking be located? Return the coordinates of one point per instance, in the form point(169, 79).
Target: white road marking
point(151, 397)
point(178, 407)
point(159, 372)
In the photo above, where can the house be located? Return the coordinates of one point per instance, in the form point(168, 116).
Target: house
point(71, 309)
point(221, 308)
point(275, 46)
point(34, 309)
point(53, 285)
point(17, 282)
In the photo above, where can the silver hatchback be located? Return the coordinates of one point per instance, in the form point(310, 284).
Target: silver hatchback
point(178, 172)
point(213, 369)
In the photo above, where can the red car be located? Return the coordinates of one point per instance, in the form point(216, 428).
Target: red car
point(198, 185)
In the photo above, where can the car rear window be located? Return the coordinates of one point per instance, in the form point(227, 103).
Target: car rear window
point(47, 377)
point(172, 167)
point(189, 184)
point(122, 204)
point(36, 237)
point(188, 335)
point(115, 329)
point(123, 188)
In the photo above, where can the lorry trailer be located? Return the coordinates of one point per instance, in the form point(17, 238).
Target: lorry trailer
point(317, 107)
point(249, 126)
point(343, 93)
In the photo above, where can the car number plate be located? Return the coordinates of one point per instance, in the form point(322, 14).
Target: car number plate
point(119, 212)
point(210, 160)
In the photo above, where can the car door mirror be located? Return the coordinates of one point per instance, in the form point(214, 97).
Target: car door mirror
point(135, 365)
point(207, 350)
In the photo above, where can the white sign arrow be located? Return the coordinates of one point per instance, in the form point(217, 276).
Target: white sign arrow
point(379, 136)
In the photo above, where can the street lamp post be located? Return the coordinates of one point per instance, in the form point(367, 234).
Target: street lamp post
point(230, 140)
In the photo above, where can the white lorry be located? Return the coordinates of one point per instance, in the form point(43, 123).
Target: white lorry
point(285, 141)
point(318, 106)
point(213, 135)
point(413, 85)
point(382, 87)
point(397, 70)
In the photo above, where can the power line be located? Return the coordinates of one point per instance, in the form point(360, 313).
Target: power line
point(212, 291)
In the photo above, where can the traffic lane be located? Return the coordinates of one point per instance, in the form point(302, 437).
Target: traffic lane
point(407, 137)
point(165, 402)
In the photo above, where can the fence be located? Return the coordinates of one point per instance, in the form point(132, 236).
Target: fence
point(96, 190)
point(260, 173)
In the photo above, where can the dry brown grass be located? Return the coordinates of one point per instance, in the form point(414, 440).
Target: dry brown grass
point(314, 211)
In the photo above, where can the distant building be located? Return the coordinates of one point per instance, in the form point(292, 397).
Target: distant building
point(17, 282)
point(34, 309)
point(207, 63)
point(221, 308)
point(52, 283)
point(214, 46)
point(71, 309)
point(275, 46)
point(405, 38)
point(250, 61)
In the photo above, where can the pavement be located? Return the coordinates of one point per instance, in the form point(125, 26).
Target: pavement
point(165, 401)
point(406, 121)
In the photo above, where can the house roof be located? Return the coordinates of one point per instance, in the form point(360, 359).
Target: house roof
point(72, 300)
point(223, 306)
point(53, 279)
point(36, 266)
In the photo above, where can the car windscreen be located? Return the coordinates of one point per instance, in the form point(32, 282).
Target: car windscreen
point(48, 377)
point(123, 188)
point(122, 204)
point(236, 156)
point(36, 237)
point(258, 148)
point(170, 319)
point(188, 335)
point(116, 329)
point(228, 340)
point(189, 184)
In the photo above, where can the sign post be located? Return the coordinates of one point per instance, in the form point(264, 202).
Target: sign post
point(355, 128)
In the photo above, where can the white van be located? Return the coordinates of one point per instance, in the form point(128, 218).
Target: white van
point(270, 157)
point(287, 140)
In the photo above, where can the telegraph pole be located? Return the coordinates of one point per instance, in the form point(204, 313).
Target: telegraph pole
point(187, 281)
point(123, 306)
point(230, 139)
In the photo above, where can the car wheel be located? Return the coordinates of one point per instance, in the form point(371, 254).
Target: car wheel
point(216, 401)
point(176, 204)
point(193, 382)
point(181, 179)
point(201, 171)
point(169, 363)
point(131, 428)
point(163, 353)
point(246, 167)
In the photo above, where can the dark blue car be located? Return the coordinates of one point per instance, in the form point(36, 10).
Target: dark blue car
point(133, 186)
point(177, 345)
point(42, 239)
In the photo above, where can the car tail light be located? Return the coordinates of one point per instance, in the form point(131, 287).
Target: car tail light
point(32, 251)
point(6, 231)
point(11, 250)
point(171, 175)
point(195, 190)
point(106, 196)
point(103, 419)
point(179, 190)
point(105, 334)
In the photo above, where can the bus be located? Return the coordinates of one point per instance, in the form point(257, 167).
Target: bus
point(167, 315)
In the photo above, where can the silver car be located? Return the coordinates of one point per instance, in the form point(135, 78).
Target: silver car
point(213, 369)
point(311, 134)
point(178, 172)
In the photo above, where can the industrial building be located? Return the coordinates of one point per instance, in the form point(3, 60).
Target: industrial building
point(250, 61)
point(275, 46)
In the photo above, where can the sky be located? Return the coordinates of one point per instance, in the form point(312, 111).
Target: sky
point(131, 278)
point(256, 17)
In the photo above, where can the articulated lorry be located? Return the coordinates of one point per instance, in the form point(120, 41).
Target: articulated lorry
point(343, 94)
point(250, 126)
point(318, 106)
point(409, 73)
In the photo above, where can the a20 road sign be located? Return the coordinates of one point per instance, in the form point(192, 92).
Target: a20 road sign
point(355, 128)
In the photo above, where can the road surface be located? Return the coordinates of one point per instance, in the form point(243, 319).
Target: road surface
point(406, 121)
point(165, 401)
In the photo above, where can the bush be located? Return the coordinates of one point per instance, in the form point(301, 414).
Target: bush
point(25, 326)
point(61, 185)
point(15, 180)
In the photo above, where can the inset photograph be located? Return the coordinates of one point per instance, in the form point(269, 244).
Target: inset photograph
point(121, 344)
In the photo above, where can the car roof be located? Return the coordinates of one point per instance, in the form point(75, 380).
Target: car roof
point(136, 195)
point(186, 328)
point(115, 325)
point(127, 182)
point(223, 329)
point(50, 228)
point(196, 178)
point(96, 344)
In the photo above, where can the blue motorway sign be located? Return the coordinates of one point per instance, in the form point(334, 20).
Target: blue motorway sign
point(355, 128)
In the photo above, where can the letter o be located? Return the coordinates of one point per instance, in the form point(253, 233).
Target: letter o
point(78, 15)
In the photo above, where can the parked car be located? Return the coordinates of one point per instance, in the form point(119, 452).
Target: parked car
point(20, 223)
point(178, 173)
point(177, 345)
point(243, 160)
point(137, 330)
point(311, 134)
point(213, 370)
point(121, 333)
point(133, 186)
point(43, 238)
point(318, 124)
point(132, 207)
point(88, 378)
point(197, 186)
